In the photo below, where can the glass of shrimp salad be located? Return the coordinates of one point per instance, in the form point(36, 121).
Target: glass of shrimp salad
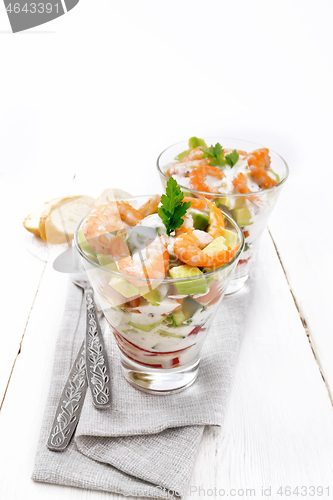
point(159, 280)
point(243, 178)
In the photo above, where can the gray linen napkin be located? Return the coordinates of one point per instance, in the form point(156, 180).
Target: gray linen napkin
point(143, 445)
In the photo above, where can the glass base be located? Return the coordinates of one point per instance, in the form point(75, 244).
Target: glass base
point(157, 380)
point(236, 284)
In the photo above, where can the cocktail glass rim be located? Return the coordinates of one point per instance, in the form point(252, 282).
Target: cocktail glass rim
point(236, 195)
point(166, 279)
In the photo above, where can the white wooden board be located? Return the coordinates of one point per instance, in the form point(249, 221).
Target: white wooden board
point(277, 430)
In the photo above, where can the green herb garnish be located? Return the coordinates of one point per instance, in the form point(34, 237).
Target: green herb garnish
point(215, 153)
point(232, 158)
point(173, 207)
point(217, 158)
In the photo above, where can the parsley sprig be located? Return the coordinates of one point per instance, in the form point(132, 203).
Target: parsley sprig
point(173, 207)
point(215, 153)
point(217, 158)
point(232, 158)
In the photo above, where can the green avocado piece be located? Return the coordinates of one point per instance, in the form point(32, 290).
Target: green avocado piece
point(188, 194)
point(182, 155)
point(195, 142)
point(156, 295)
point(228, 201)
point(231, 238)
point(124, 287)
point(178, 317)
point(216, 245)
point(85, 246)
point(242, 216)
point(168, 334)
point(190, 306)
point(200, 221)
point(224, 201)
point(145, 327)
point(190, 287)
point(107, 261)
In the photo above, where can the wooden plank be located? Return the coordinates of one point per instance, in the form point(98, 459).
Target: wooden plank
point(305, 248)
point(278, 426)
point(21, 271)
point(277, 429)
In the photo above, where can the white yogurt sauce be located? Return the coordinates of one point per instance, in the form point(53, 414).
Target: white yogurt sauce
point(154, 221)
point(182, 181)
point(150, 340)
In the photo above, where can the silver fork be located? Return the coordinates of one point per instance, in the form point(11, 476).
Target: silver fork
point(91, 364)
point(97, 365)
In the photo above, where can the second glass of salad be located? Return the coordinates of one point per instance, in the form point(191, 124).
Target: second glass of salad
point(159, 267)
point(244, 180)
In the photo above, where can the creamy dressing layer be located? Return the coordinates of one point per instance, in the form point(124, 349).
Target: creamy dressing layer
point(157, 338)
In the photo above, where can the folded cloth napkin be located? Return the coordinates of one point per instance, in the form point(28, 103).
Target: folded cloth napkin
point(144, 445)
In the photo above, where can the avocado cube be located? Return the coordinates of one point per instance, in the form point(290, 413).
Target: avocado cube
point(190, 287)
point(242, 216)
point(224, 201)
point(200, 221)
point(190, 306)
point(195, 142)
point(231, 238)
point(156, 295)
point(216, 245)
point(178, 317)
point(230, 202)
point(124, 287)
point(107, 261)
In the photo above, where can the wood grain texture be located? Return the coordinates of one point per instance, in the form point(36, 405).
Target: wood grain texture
point(305, 249)
point(278, 425)
point(278, 428)
point(21, 271)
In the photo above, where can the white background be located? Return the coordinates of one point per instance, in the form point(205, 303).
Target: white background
point(99, 93)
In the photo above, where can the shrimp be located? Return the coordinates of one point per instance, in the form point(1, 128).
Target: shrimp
point(240, 184)
point(107, 218)
point(185, 168)
point(195, 154)
point(261, 177)
point(198, 178)
point(155, 265)
point(259, 158)
point(216, 221)
point(150, 207)
point(259, 161)
point(187, 249)
point(197, 203)
point(186, 226)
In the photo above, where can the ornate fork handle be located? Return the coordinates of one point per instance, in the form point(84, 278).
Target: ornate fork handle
point(70, 405)
point(97, 365)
